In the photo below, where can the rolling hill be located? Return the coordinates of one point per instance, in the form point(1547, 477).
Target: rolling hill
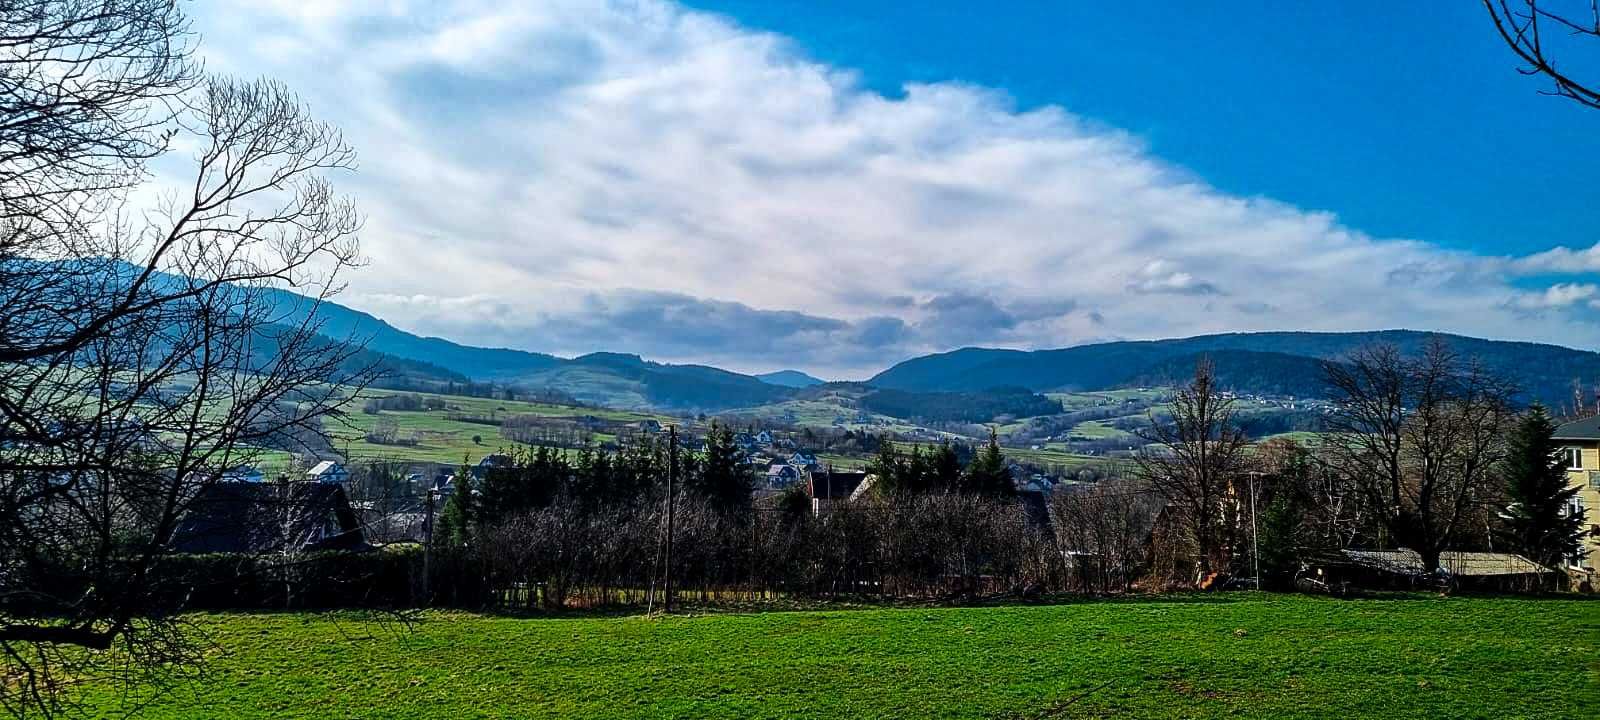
point(790, 379)
point(1272, 363)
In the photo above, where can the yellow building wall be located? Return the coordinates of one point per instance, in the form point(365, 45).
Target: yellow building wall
point(1591, 498)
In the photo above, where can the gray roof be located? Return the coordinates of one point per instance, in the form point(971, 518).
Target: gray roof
point(1585, 429)
point(1465, 564)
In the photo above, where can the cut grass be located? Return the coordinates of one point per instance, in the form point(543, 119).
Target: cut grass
point(1211, 656)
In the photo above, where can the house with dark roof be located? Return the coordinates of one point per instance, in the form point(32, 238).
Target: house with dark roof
point(803, 459)
point(1580, 452)
point(782, 476)
point(830, 487)
point(492, 461)
point(259, 518)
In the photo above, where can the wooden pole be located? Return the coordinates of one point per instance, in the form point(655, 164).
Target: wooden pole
point(672, 471)
point(427, 551)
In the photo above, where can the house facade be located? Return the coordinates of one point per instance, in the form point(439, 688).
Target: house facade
point(781, 476)
point(1580, 453)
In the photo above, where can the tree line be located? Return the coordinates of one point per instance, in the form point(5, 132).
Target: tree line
point(1427, 452)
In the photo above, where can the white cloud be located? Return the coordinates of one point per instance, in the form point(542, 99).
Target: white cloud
point(1160, 277)
point(541, 172)
point(1561, 295)
point(1562, 260)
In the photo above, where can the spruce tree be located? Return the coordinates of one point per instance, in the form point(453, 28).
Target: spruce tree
point(1279, 541)
point(724, 478)
point(887, 467)
point(987, 475)
point(1538, 521)
point(946, 469)
point(455, 523)
point(918, 471)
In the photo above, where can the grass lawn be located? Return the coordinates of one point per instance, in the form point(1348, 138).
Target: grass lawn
point(1211, 656)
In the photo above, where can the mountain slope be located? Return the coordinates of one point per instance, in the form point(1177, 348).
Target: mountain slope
point(343, 323)
point(1277, 362)
point(789, 379)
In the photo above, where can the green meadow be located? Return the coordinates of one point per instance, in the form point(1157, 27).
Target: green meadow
point(1218, 656)
point(442, 438)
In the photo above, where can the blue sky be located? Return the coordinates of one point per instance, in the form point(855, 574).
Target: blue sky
point(1406, 119)
point(837, 186)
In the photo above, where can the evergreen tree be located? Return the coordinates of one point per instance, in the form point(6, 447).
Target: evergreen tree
point(639, 467)
point(1279, 540)
point(549, 476)
point(794, 506)
point(1538, 522)
point(917, 472)
point(595, 480)
point(987, 475)
point(887, 466)
point(455, 523)
point(724, 478)
point(945, 469)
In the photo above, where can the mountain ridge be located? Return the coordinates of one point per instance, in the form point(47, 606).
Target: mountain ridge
point(1274, 362)
point(1545, 371)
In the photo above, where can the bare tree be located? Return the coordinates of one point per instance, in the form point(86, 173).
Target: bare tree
point(1417, 437)
point(1537, 34)
point(1101, 532)
point(1197, 455)
point(143, 350)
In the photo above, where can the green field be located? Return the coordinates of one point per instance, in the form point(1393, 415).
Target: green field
point(1179, 657)
point(1100, 430)
point(442, 439)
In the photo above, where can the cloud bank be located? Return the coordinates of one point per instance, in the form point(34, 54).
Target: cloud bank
point(573, 175)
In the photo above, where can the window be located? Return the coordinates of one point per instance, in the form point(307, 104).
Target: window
point(1572, 458)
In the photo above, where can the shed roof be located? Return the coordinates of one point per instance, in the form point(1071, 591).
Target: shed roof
point(1465, 564)
point(325, 467)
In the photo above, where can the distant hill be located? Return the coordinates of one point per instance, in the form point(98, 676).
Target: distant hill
point(479, 363)
point(621, 380)
point(1264, 373)
point(789, 379)
point(1274, 362)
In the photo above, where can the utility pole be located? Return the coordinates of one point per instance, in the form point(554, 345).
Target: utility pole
point(1255, 544)
point(672, 471)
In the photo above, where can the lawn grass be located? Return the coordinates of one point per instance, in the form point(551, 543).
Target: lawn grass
point(1241, 655)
